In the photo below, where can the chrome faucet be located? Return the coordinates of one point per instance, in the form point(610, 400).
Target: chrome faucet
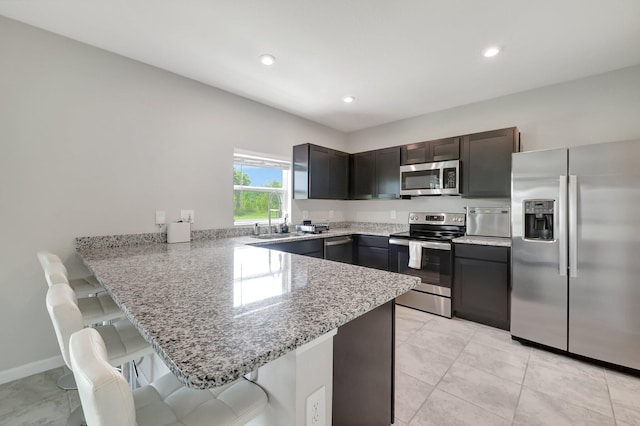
point(279, 209)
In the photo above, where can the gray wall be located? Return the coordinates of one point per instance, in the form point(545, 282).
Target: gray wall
point(603, 108)
point(92, 144)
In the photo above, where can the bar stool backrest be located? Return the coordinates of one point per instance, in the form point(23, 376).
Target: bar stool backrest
point(104, 393)
point(65, 316)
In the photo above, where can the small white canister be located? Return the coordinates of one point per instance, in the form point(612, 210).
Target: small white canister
point(178, 232)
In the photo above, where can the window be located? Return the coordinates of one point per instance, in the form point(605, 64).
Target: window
point(255, 181)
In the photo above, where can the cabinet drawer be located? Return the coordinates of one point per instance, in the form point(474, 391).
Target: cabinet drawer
point(491, 253)
point(373, 241)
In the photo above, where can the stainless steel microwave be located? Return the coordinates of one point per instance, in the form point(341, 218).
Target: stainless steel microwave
point(439, 178)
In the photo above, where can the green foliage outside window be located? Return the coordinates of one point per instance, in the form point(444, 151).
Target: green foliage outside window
point(252, 205)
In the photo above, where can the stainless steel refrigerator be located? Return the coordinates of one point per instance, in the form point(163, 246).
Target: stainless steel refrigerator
point(576, 250)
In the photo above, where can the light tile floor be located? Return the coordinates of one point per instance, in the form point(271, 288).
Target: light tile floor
point(456, 372)
point(448, 372)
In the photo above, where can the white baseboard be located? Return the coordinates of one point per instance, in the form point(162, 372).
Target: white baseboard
point(26, 370)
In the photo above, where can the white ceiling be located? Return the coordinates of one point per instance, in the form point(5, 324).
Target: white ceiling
point(399, 58)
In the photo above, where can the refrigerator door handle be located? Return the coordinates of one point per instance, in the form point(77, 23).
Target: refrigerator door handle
point(573, 226)
point(562, 226)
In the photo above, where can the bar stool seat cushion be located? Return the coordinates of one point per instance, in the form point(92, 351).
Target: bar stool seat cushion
point(56, 273)
point(98, 309)
point(107, 400)
point(124, 343)
point(167, 402)
point(86, 286)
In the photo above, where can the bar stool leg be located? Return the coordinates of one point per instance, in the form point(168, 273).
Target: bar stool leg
point(67, 382)
point(77, 418)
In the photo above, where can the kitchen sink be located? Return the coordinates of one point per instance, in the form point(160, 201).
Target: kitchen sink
point(272, 236)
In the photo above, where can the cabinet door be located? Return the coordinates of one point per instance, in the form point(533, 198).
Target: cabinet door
point(301, 172)
point(338, 175)
point(372, 251)
point(320, 173)
point(387, 168)
point(414, 153)
point(363, 173)
point(486, 163)
point(319, 185)
point(445, 149)
point(363, 369)
point(481, 291)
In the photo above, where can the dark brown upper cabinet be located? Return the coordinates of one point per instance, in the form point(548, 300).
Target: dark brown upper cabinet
point(375, 174)
point(429, 151)
point(320, 173)
point(486, 163)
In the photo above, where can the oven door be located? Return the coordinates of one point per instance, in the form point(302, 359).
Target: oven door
point(435, 270)
point(434, 294)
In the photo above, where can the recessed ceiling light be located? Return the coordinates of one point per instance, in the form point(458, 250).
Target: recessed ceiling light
point(348, 99)
point(267, 59)
point(491, 52)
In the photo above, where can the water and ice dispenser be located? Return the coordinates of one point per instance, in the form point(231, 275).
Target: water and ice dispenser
point(538, 219)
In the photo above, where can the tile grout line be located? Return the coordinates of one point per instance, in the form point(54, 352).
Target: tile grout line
point(526, 368)
point(425, 400)
point(606, 381)
point(445, 373)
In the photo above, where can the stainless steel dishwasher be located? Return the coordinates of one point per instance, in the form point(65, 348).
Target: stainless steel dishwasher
point(339, 249)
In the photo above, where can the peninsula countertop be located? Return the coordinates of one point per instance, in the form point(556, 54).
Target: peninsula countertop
point(215, 310)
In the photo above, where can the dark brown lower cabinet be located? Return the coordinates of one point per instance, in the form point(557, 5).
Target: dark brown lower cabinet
point(481, 284)
point(372, 251)
point(363, 369)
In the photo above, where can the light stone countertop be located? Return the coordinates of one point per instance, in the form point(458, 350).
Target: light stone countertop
point(217, 309)
point(483, 241)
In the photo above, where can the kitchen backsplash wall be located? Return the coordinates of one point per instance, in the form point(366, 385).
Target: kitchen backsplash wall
point(383, 210)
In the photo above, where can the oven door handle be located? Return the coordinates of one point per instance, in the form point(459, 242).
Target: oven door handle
point(423, 244)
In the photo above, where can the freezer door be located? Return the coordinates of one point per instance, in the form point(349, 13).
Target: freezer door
point(604, 301)
point(540, 286)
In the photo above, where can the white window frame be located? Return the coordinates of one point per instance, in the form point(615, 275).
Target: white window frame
point(267, 161)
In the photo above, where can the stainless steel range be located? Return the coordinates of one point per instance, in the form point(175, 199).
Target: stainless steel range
point(425, 252)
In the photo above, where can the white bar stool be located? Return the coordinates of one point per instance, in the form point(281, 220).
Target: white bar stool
point(95, 310)
point(107, 400)
point(85, 286)
point(123, 340)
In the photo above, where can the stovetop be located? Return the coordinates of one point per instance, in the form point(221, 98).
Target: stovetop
point(434, 226)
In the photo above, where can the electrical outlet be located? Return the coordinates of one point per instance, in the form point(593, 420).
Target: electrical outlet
point(393, 214)
point(161, 217)
point(305, 214)
point(187, 216)
point(316, 408)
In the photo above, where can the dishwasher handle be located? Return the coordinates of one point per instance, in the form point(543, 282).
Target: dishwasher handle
point(328, 242)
